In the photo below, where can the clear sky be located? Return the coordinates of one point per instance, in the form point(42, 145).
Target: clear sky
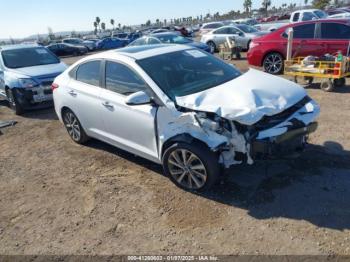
point(20, 18)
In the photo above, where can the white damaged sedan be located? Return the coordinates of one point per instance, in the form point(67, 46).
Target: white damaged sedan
point(183, 108)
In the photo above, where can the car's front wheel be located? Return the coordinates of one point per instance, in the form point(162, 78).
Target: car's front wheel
point(191, 166)
point(13, 102)
point(74, 128)
point(273, 63)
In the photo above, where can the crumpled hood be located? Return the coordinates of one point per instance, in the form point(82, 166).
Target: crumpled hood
point(246, 99)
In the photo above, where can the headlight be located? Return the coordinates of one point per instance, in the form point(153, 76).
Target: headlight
point(207, 123)
point(27, 82)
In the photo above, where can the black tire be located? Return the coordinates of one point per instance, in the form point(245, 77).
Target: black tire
point(207, 169)
point(13, 102)
point(327, 85)
point(74, 129)
point(339, 82)
point(212, 46)
point(273, 63)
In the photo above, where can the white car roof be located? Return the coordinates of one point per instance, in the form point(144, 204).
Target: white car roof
point(139, 52)
point(306, 10)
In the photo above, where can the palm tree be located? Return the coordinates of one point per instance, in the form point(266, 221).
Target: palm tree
point(95, 25)
point(103, 26)
point(157, 22)
point(247, 5)
point(98, 21)
point(119, 25)
point(112, 23)
point(266, 4)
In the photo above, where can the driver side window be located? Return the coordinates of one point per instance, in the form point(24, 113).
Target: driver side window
point(122, 80)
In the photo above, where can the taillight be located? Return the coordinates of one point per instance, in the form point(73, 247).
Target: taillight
point(54, 86)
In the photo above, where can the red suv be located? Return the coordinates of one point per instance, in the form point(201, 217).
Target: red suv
point(317, 37)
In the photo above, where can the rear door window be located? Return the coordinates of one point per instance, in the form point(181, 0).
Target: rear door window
point(335, 31)
point(89, 73)
point(222, 31)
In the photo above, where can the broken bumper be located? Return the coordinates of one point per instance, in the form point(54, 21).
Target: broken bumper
point(283, 145)
point(27, 98)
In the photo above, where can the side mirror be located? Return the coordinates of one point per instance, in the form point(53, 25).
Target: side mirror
point(241, 34)
point(138, 98)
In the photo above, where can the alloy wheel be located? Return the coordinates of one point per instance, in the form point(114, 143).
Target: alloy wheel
point(273, 63)
point(187, 169)
point(72, 126)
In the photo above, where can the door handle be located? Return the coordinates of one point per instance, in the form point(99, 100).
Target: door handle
point(72, 93)
point(108, 105)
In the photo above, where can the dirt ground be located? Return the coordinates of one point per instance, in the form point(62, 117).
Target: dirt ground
point(60, 198)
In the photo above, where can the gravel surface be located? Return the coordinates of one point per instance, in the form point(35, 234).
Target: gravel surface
point(57, 197)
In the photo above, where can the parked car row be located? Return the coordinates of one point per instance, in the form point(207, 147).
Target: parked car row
point(167, 99)
point(77, 46)
point(170, 38)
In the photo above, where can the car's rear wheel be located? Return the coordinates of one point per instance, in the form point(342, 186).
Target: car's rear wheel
point(74, 128)
point(13, 102)
point(191, 166)
point(273, 63)
point(212, 46)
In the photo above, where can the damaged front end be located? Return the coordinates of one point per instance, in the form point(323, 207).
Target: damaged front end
point(236, 143)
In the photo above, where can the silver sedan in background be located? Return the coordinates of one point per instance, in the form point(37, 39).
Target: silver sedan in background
point(242, 33)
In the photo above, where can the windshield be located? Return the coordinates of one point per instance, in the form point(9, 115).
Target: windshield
point(321, 14)
point(247, 28)
point(173, 39)
point(27, 57)
point(187, 72)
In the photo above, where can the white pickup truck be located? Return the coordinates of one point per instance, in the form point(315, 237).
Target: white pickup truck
point(307, 15)
point(297, 16)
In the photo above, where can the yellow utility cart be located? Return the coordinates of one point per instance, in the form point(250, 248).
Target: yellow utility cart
point(331, 73)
